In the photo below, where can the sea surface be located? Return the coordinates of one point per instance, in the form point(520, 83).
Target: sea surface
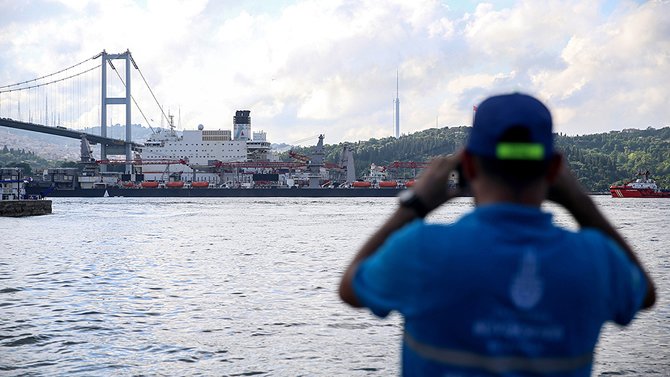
point(242, 287)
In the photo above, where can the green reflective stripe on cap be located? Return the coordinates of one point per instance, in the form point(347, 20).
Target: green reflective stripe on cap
point(520, 151)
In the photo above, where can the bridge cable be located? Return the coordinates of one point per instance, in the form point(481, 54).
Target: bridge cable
point(47, 83)
point(55, 73)
point(150, 91)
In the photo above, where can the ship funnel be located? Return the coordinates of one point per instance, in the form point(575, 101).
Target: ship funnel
point(242, 125)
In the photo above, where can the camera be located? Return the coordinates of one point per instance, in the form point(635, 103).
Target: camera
point(459, 180)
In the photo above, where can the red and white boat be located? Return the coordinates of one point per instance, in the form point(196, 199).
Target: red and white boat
point(642, 186)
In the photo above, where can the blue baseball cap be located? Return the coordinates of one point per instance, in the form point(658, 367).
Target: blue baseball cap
point(499, 114)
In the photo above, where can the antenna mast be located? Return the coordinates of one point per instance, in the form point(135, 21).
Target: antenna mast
point(397, 106)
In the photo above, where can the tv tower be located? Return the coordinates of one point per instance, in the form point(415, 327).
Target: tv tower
point(397, 107)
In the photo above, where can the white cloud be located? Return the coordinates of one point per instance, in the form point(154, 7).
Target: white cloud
point(614, 76)
point(329, 66)
point(442, 27)
point(460, 84)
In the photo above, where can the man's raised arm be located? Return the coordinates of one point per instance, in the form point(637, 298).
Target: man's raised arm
point(432, 190)
point(567, 192)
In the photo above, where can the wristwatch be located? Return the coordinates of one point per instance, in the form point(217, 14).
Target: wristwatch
point(409, 199)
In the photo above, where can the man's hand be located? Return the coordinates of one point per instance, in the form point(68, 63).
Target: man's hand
point(565, 189)
point(432, 187)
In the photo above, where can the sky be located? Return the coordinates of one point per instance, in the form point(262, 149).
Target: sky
point(329, 67)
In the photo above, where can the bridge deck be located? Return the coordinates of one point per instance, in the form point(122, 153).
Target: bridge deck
point(58, 131)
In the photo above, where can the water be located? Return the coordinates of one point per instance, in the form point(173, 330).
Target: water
point(240, 287)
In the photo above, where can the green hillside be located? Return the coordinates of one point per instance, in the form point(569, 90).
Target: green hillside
point(29, 161)
point(598, 160)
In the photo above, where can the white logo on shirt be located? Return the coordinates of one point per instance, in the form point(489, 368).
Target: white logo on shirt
point(527, 286)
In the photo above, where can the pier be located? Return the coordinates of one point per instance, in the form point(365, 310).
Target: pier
point(13, 199)
point(21, 208)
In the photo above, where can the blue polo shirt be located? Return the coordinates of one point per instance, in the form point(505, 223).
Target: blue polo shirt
point(501, 292)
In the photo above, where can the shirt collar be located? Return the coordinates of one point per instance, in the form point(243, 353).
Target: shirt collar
point(504, 212)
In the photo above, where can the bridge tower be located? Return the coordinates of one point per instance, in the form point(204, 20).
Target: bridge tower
point(105, 150)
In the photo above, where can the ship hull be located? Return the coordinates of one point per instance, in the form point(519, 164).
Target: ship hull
point(220, 192)
point(625, 192)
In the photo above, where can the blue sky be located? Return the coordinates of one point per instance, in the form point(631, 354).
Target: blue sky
point(309, 67)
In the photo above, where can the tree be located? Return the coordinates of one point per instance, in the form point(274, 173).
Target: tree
point(72, 164)
point(27, 170)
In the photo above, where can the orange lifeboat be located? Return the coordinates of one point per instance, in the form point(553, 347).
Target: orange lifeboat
point(128, 184)
point(388, 184)
point(410, 183)
point(204, 184)
point(362, 184)
point(152, 184)
point(175, 184)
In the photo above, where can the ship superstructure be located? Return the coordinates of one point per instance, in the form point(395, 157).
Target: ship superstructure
point(642, 186)
point(377, 174)
point(203, 148)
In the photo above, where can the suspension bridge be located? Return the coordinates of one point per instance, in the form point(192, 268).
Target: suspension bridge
point(74, 99)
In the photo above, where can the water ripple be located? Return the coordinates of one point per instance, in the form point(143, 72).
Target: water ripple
point(238, 287)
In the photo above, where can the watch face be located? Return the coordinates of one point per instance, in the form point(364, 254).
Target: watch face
point(406, 195)
point(409, 199)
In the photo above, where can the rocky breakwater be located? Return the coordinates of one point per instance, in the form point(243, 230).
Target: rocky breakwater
point(19, 208)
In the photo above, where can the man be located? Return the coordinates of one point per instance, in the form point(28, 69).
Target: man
point(502, 292)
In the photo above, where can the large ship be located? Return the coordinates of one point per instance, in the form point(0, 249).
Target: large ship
point(642, 186)
point(213, 163)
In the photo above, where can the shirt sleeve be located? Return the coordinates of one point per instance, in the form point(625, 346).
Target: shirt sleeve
point(387, 280)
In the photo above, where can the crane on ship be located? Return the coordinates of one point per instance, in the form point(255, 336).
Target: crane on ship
point(342, 172)
point(307, 160)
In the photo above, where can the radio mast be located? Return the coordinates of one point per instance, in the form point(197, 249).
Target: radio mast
point(397, 106)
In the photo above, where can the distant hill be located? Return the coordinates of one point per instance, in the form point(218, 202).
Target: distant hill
point(42, 151)
point(58, 147)
point(598, 160)
point(419, 147)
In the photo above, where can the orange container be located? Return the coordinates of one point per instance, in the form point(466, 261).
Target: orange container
point(152, 184)
point(388, 184)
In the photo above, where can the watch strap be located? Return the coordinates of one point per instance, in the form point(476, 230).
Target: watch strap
point(415, 203)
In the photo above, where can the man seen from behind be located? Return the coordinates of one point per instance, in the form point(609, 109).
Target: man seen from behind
point(503, 291)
